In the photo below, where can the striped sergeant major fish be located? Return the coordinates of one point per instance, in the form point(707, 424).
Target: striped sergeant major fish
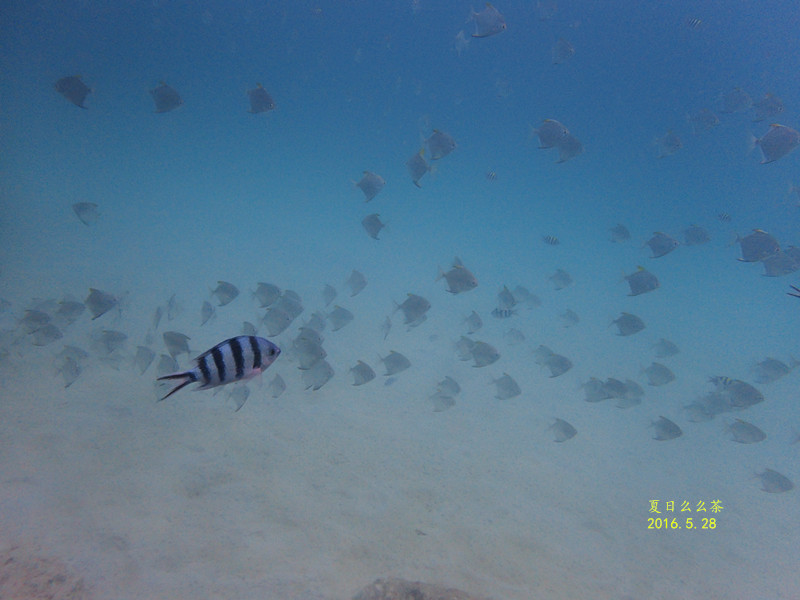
point(236, 359)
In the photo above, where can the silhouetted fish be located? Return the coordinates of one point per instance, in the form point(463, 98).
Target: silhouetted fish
point(777, 142)
point(658, 374)
point(440, 144)
point(661, 244)
point(69, 311)
point(276, 320)
point(207, 311)
point(356, 282)
point(166, 365)
point(483, 354)
point(736, 100)
point(372, 225)
point(562, 51)
point(487, 22)
point(569, 147)
point(746, 433)
point(449, 386)
point(290, 302)
point(782, 263)
point(459, 278)
point(464, 348)
point(666, 430)
point(695, 235)
point(620, 233)
point(441, 401)
point(506, 387)
point(736, 393)
point(560, 279)
point(386, 327)
point(73, 89)
point(339, 317)
point(328, 294)
point(703, 120)
point(176, 343)
point(414, 308)
point(557, 363)
point(772, 369)
point(417, 167)
point(551, 133)
point(165, 98)
point(46, 334)
point(318, 375)
point(307, 352)
point(107, 341)
point(239, 394)
point(70, 370)
point(474, 322)
point(260, 100)
point(362, 373)
point(570, 317)
point(562, 431)
point(225, 292)
point(628, 324)
point(86, 211)
point(277, 386)
point(99, 302)
point(664, 348)
point(669, 144)
point(266, 294)
point(632, 395)
point(758, 246)
point(641, 281)
point(371, 184)
point(766, 108)
point(144, 356)
point(773, 482)
point(595, 390)
point(394, 363)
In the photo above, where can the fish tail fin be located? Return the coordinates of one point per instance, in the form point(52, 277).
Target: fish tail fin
point(752, 142)
point(187, 376)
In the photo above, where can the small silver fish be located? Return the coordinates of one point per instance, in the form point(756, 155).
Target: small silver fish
point(488, 22)
point(777, 142)
point(73, 89)
point(440, 144)
point(87, 212)
point(417, 167)
point(562, 51)
point(551, 133)
point(260, 100)
point(165, 98)
point(371, 184)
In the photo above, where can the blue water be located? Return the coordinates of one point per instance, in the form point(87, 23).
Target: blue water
point(330, 486)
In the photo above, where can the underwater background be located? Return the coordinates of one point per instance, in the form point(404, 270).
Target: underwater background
point(314, 493)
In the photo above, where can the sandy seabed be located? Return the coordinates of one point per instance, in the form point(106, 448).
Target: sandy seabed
point(105, 492)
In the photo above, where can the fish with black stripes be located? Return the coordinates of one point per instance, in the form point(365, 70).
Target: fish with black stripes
point(235, 359)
